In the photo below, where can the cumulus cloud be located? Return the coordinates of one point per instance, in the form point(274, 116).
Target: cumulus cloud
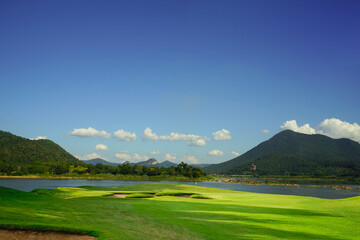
point(169, 157)
point(155, 152)
point(334, 128)
point(215, 152)
point(265, 131)
point(149, 135)
point(221, 135)
point(190, 159)
point(89, 132)
point(90, 156)
point(101, 147)
point(125, 136)
point(292, 125)
point(192, 140)
point(235, 153)
point(138, 157)
point(123, 156)
point(39, 138)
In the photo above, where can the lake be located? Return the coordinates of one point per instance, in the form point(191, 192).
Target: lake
point(303, 190)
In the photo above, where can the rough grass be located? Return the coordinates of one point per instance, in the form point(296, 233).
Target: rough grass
point(228, 215)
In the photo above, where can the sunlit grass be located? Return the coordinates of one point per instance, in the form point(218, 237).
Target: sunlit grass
point(227, 215)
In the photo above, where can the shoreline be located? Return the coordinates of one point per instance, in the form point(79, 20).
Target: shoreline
point(122, 178)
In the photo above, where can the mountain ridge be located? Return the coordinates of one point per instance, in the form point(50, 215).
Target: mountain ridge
point(302, 150)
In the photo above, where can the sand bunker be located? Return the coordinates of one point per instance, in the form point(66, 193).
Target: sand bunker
point(119, 195)
point(34, 235)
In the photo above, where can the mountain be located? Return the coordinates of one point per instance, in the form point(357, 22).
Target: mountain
point(99, 160)
point(291, 153)
point(201, 165)
point(166, 164)
point(152, 162)
point(19, 151)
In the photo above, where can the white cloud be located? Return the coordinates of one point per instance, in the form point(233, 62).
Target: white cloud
point(125, 136)
point(138, 157)
point(101, 147)
point(334, 128)
point(235, 153)
point(292, 125)
point(221, 135)
point(90, 156)
point(265, 131)
point(155, 152)
point(149, 135)
point(89, 132)
point(192, 140)
point(215, 152)
point(170, 157)
point(190, 159)
point(39, 138)
point(123, 156)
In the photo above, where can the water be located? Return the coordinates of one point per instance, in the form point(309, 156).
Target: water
point(303, 190)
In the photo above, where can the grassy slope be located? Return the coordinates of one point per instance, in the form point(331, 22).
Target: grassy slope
point(228, 215)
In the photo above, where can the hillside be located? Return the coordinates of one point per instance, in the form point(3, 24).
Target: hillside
point(19, 151)
point(99, 160)
point(291, 153)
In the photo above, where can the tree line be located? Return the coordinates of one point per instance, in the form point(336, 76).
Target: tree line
point(63, 168)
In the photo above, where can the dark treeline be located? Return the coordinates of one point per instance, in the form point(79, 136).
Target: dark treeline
point(61, 168)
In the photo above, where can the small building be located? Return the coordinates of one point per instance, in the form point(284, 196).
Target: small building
point(253, 167)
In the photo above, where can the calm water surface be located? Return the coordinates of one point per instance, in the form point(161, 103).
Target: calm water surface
point(303, 190)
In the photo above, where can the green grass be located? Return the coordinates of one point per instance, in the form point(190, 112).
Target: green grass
point(227, 215)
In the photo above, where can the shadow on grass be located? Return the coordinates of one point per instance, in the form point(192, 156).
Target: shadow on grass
point(228, 222)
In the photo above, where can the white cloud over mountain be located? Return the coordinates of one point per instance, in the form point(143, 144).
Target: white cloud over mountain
point(101, 147)
point(169, 157)
point(155, 152)
point(127, 157)
point(235, 153)
point(39, 138)
point(89, 132)
point(222, 135)
point(125, 136)
point(190, 160)
point(334, 128)
point(192, 140)
point(215, 152)
point(265, 131)
point(90, 156)
point(292, 125)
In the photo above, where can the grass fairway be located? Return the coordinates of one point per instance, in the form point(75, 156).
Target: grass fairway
point(226, 215)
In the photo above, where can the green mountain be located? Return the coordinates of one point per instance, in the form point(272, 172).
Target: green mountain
point(20, 152)
point(291, 153)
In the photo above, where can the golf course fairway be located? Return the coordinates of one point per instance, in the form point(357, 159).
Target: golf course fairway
point(176, 211)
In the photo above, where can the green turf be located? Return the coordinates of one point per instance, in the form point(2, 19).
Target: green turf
point(227, 215)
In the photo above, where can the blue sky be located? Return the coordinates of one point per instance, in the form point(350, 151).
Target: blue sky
point(187, 67)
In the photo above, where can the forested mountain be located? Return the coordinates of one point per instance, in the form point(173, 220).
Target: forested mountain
point(21, 151)
point(291, 153)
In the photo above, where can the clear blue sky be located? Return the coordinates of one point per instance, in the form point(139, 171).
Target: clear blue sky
point(191, 67)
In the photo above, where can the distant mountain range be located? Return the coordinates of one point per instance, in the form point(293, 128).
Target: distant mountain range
point(152, 162)
point(292, 153)
point(99, 160)
point(19, 151)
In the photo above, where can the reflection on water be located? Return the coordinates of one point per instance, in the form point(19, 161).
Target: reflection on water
point(303, 190)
